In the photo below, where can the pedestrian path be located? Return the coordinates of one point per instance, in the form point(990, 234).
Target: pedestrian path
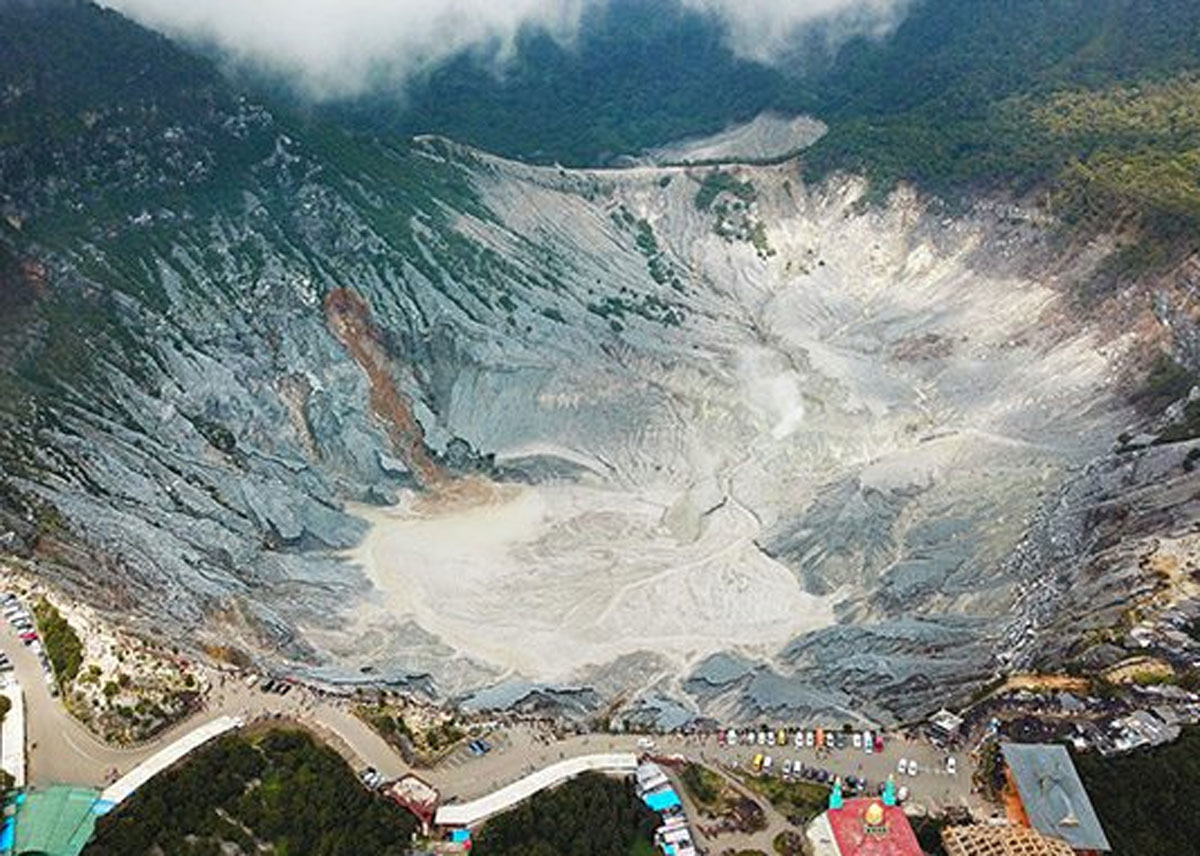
point(119, 791)
point(477, 811)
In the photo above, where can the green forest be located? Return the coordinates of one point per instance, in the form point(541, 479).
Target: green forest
point(592, 815)
point(1147, 800)
point(280, 790)
point(1091, 101)
point(1095, 102)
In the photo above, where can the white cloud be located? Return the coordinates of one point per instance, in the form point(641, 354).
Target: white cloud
point(763, 29)
point(332, 47)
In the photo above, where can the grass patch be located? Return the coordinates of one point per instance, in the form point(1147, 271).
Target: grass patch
point(387, 724)
point(705, 787)
point(797, 801)
point(716, 183)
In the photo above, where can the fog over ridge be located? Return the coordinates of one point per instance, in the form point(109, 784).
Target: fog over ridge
point(336, 48)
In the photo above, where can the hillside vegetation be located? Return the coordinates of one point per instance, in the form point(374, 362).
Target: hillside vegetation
point(281, 792)
point(1147, 800)
point(592, 815)
point(1083, 96)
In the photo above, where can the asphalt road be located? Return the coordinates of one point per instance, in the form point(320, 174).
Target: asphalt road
point(58, 748)
point(62, 750)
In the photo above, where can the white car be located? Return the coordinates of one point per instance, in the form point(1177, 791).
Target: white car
point(912, 767)
point(731, 737)
point(856, 740)
point(952, 766)
point(902, 766)
point(762, 738)
point(767, 761)
point(645, 743)
point(799, 739)
point(868, 742)
point(810, 739)
point(770, 738)
point(787, 766)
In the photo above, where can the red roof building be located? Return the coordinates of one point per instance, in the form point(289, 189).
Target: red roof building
point(863, 827)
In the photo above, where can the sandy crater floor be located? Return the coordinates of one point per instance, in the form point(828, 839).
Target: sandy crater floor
point(542, 581)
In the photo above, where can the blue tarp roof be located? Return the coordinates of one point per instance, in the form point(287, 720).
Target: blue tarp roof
point(662, 800)
point(458, 836)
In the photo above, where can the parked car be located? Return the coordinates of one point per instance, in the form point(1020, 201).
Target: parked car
point(912, 767)
point(902, 766)
point(758, 762)
point(732, 737)
point(781, 737)
point(809, 739)
point(770, 738)
point(767, 762)
point(799, 739)
point(952, 766)
point(787, 766)
point(856, 739)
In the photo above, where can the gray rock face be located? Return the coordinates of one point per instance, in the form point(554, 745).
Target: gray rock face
point(768, 453)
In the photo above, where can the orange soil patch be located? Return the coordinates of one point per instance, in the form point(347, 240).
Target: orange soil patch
point(1064, 683)
point(349, 318)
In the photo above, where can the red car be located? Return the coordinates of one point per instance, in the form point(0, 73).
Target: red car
point(28, 637)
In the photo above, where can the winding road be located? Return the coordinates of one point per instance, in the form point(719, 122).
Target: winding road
point(60, 749)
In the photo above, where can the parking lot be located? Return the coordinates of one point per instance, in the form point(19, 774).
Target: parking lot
point(23, 624)
point(517, 750)
point(925, 775)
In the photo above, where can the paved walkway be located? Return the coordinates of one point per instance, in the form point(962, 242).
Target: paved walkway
point(477, 811)
point(120, 790)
